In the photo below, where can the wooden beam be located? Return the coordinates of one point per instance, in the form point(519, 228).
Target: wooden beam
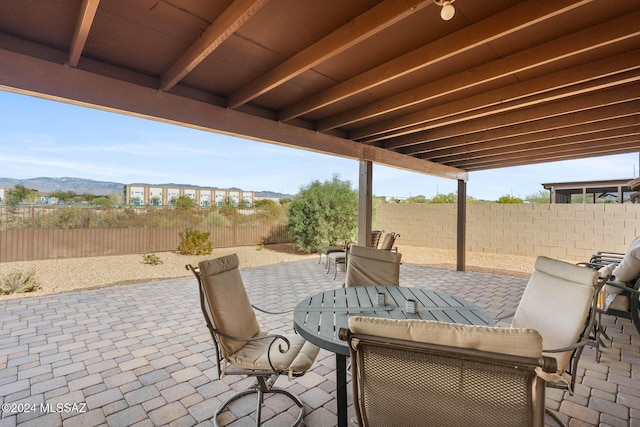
point(238, 12)
point(373, 21)
point(541, 147)
point(499, 25)
point(592, 38)
point(461, 229)
point(577, 150)
point(511, 143)
point(36, 77)
point(365, 203)
point(586, 117)
point(616, 95)
point(572, 81)
point(88, 11)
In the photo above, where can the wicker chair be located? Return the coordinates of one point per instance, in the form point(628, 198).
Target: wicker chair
point(368, 266)
point(417, 372)
point(242, 348)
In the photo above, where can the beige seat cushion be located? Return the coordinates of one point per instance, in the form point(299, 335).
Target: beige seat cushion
point(228, 302)
point(516, 342)
point(556, 303)
point(629, 267)
point(298, 358)
point(369, 266)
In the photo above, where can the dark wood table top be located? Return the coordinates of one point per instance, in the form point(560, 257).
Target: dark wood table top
point(319, 317)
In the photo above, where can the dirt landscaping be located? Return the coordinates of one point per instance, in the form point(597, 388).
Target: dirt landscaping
point(61, 275)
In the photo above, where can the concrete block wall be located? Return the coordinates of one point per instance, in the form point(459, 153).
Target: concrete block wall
point(565, 231)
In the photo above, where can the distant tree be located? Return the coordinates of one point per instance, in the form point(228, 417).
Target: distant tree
point(323, 213)
point(64, 196)
point(270, 210)
point(102, 201)
point(20, 194)
point(185, 202)
point(510, 199)
point(541, 197)
point(445, 198)
point(417, 199)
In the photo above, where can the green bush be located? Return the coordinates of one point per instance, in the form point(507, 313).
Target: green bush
point(17, 281)
point(152, 259)
point(195, 242)
point(323, 214)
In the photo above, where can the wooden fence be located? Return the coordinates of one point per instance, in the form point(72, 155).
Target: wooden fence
point(33, 233)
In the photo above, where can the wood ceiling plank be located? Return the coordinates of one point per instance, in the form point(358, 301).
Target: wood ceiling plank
point(371, 22)
point(496, 26)
point(592, 38)
point(221, 29)
point(87, 13)
point(563, 83)
point(624, 145)
point(478, 143)
point(559, 138)
point(612, 96)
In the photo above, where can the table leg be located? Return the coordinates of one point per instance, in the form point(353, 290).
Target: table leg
point(341, 389)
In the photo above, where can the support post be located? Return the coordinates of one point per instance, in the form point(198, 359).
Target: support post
point(462, 223)
point(365, 203)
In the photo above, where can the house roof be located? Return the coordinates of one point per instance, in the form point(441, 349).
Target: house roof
point(503, 83)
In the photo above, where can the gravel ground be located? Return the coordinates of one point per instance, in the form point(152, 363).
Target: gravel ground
point(62, 275)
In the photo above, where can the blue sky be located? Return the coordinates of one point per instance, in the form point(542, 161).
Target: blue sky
point(47, 138)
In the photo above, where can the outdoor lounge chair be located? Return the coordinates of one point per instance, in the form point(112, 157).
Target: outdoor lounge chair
point(242, 348)
point(369, 266)
point(560, 302)
point(419, 372)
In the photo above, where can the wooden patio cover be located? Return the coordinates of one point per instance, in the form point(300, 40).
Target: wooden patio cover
point(503, 83)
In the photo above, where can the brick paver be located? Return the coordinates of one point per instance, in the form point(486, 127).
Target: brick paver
point(141, 355)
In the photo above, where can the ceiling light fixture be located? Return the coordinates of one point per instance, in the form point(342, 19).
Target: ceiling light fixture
point(448, 10)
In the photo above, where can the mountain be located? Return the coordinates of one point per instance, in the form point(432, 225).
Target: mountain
point(77, 185)
point(99, 188)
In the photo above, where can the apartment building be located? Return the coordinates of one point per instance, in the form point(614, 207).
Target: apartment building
point(204, 197)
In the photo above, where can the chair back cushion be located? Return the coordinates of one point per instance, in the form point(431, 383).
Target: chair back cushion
point(556, 303)
point(369, 266)
point(388, 241)
point(515, 342)
point(227, 300)
point(629, 267)
point(414, 383)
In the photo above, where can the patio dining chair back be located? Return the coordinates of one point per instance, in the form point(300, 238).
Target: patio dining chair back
point(560, 302)
point(388, 242)
point(418, 372)
point(369, 266)
point(241, 346)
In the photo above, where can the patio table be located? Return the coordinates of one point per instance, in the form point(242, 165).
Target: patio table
point(319, 317)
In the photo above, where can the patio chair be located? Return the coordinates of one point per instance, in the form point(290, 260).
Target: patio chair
point(242, 348)
point(418, 372)
point(339, 257)
point(560, 302)
point(388, 242)
point(620, 295)
point(369, 266)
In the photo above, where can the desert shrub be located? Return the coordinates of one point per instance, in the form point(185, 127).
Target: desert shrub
point(195, 242)
point(152, 259)
point(17, 281)
point(323, 214)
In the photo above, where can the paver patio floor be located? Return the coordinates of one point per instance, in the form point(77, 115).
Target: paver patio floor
point(141, 354)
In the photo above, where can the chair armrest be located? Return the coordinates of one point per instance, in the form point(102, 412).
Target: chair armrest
point(271, 312)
